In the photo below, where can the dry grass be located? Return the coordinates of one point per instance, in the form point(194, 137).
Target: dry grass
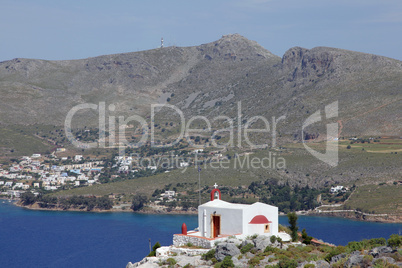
point(386, 198)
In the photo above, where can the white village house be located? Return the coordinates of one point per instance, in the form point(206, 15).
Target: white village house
point(218, 219)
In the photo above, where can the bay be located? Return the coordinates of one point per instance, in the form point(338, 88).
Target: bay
point(85, 239)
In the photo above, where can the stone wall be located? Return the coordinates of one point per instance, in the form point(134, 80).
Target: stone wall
point(182, 240)
point(171, 250)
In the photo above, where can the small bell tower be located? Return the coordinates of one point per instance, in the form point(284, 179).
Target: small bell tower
point(215, 193)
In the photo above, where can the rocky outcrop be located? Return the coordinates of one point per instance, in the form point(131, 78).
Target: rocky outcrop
point(378, 257)
point(355, 259)
point(259, 251)
point(336, 258)
point(261, 242)
point(240, 251)
point(226, 249)
point(377, 252)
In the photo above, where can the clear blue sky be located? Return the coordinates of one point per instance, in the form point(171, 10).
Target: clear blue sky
point(54, 29)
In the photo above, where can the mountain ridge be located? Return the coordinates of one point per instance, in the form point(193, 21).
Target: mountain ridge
point(209, 80)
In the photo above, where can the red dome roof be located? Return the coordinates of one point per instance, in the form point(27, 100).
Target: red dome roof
point(259, 219)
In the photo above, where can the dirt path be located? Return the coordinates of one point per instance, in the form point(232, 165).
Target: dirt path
point(340, 128)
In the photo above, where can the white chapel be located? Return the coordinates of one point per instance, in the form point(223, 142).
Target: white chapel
point(220, 219)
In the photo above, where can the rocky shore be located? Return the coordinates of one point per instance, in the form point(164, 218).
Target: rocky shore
point(37, 207)
point(126, 208)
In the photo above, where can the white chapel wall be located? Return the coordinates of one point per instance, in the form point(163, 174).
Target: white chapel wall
point(231, 220)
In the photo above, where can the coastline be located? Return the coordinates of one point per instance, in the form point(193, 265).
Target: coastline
point(113, 210)
point(359, 216)
point(354, 215)
point(36, 207)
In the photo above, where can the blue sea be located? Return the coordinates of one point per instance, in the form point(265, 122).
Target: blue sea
point(81, 239)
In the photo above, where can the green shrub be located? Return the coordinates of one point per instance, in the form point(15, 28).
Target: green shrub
point(209, 255)
point(376, 242)
point(218, 265)
point(254, 251)
point(367, 259)
point(227, 262)
point(279, 240)
point(170, 261)
point(394, 241)
point(287, 263)
point(325, 248)
point(306, 238)
point(189, 244)
point(308, 248)
point(273, 239)
point(153, 252)
point(309, 265)
point(312, 257)
point(333, 252)
point(246, 248)
point(353, 246)
point(270, 249)
point(156, 246)
point(380, 263)
point(254, 261)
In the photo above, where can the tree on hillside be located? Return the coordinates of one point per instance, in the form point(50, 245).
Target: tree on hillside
point(306, 238)
point(104, 202)
point(292, 218)
point(28, 198)
point(154, 248)
point(46, 201)
point(138, 202)
point(395, 241)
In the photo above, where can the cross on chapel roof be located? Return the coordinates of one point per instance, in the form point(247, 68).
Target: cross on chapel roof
point(215, 185)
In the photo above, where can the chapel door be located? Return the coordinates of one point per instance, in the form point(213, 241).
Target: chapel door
point(216, 222)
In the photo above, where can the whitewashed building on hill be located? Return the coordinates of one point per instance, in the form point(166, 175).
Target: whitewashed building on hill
point(218, 219)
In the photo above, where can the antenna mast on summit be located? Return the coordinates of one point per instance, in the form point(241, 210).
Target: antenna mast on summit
point(162, 42)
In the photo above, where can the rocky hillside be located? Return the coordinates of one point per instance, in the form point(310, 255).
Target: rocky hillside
point(209, 80)
point(259, 251)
